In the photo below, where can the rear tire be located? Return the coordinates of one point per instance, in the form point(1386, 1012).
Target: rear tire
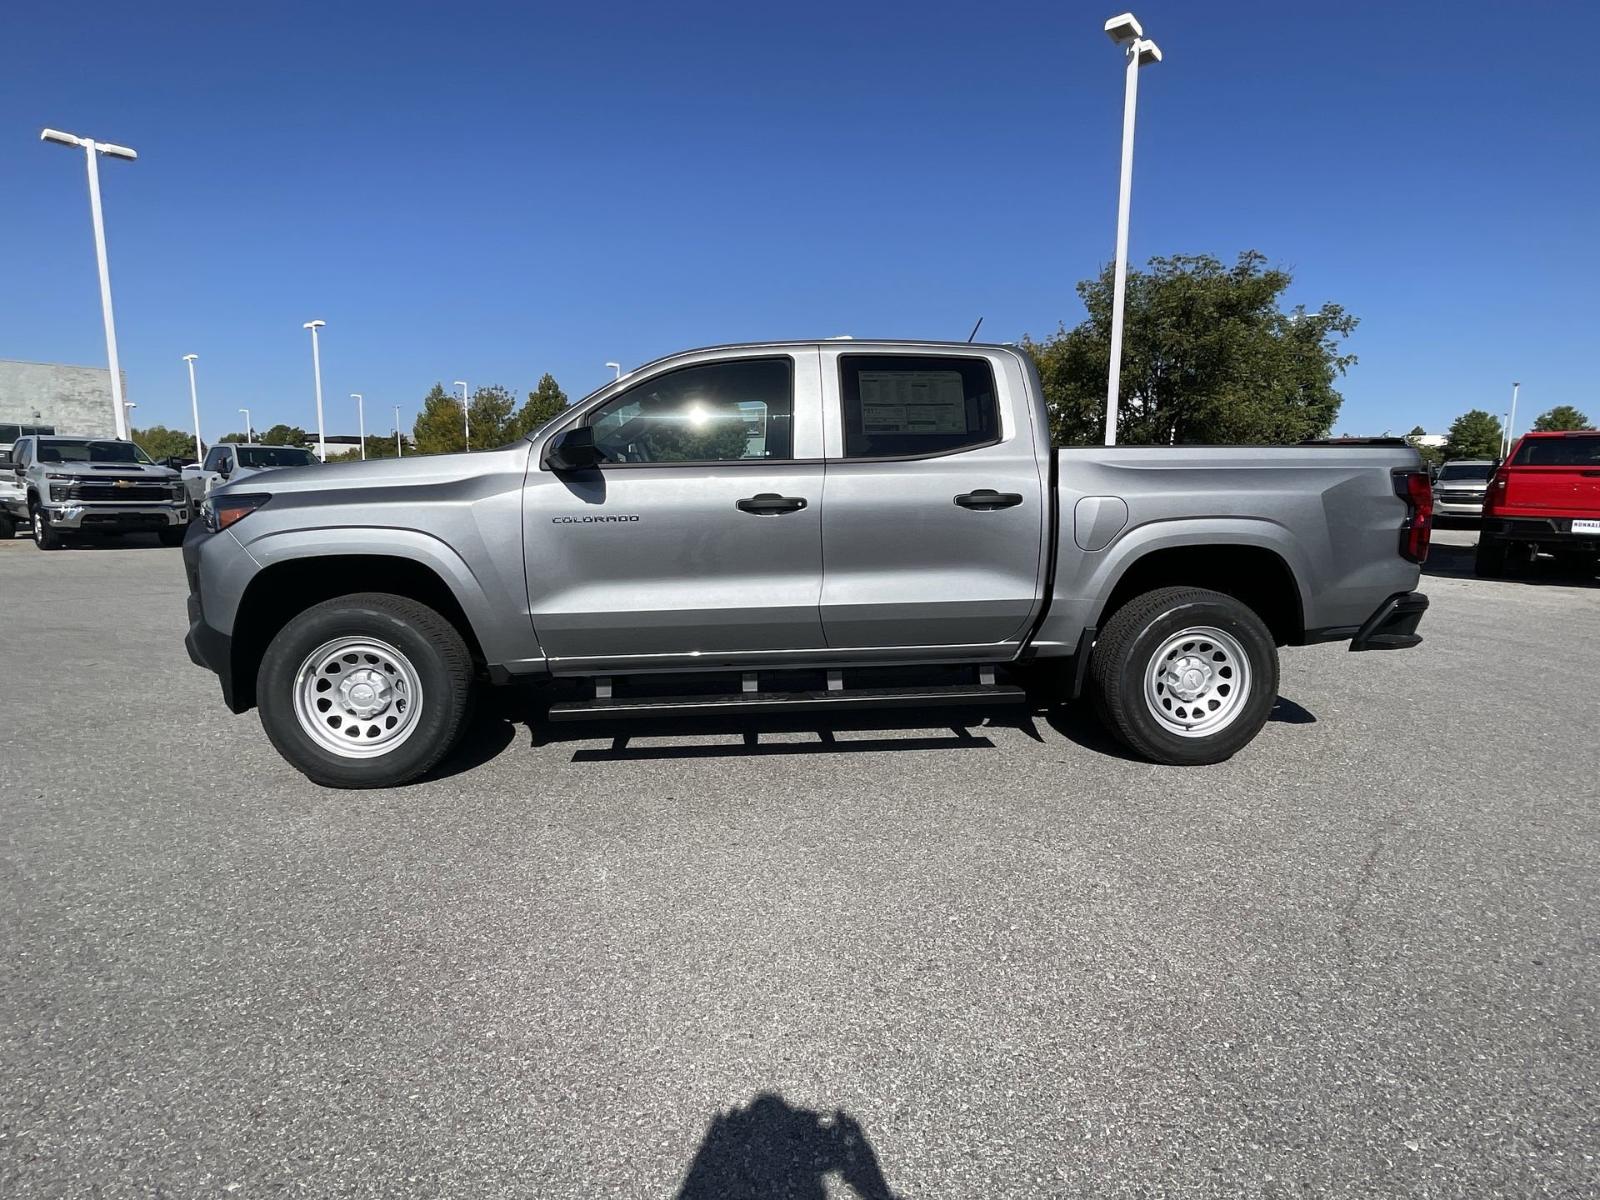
point(1184, 676)
point(365, 691)
point(1490, 560)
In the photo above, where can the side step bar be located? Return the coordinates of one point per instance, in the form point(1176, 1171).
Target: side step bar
point(751, 703)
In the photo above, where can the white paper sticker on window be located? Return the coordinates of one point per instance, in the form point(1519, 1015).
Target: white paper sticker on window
point(912, 402)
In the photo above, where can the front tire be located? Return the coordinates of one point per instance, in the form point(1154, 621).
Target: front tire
point(363, 691)
point(1184, 676)
point(44, 534)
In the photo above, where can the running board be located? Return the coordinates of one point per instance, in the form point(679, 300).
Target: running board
point(750, 703)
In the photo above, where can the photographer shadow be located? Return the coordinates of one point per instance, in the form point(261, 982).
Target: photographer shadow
point(772, 1150)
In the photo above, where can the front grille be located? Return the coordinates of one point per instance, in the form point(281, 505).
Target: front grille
point(1461, 497)
point(108, 490)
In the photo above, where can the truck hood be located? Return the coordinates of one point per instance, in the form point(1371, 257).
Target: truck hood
point(416, 471)
point(83, 470)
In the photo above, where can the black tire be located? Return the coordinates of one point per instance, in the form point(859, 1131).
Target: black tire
point(172, 535)
point(1490, 560)
point(1126, 649)
point(44, 533)
point(8, 527)
point(435, 650)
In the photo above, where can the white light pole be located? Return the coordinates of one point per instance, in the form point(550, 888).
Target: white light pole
point(1126, 32)
point(1511, 422)
point(316, 369)
point(246, 413)
point(466, 421)
point(361, 418)
point(617, 367)
point(399, 446)
point(194, 406)
point(91, 149)
point(127, 407)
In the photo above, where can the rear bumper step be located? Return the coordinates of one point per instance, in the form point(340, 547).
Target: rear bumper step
point(1394, 625)
point(754, 703)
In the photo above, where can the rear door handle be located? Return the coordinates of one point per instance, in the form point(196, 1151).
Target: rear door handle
point(770, 504)
point(987, 499)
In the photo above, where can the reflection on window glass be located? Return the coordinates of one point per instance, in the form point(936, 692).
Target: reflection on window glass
point(262, 457)
point(717, 412)
point(904, 404)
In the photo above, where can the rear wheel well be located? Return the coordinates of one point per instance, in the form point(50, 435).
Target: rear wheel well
point(1255, 576)
point(284, 590)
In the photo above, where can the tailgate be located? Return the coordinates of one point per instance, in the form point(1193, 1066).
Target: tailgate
point(1554, 476)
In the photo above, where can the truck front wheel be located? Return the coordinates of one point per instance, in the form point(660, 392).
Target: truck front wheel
point(1184, 675)
point(368, 690)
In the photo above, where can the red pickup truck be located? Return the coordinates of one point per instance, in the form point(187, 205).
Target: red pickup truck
point(1545, 496)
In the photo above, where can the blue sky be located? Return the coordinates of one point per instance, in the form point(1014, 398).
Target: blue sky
point(488, 192)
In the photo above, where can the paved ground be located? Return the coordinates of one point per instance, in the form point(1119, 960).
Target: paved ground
point(1360, 959)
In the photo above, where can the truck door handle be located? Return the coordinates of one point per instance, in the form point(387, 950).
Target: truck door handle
point(987, 499)
point(770, 504)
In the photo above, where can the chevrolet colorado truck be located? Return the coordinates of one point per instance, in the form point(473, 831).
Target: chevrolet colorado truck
point(73, 485)
point(798, 526)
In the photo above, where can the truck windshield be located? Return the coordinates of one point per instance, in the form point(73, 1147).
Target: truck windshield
point(90, 450)
point(262, 457)
point(1559, 452)
point(1465, 473)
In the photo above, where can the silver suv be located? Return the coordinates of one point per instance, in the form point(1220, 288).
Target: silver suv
point(71, 485)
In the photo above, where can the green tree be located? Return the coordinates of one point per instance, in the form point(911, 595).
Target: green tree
point(232, 437)
point(544, 404)
point(1432, 456)
point(160, 442)
point(1208, 356)
point(491, 416)
point(1561, 418)
point(1474, 434)
point(284, 435)
point(437, 429)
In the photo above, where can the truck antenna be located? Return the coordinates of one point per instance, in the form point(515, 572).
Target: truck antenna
point(974, 332)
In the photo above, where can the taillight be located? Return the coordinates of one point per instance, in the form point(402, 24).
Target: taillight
point(1416, 490)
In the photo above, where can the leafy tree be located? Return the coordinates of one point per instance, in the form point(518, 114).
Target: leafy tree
point(543, 405)
point(160, 442)
point(722, 435)
point(1432, 456)
point(1474, 434)
point(437, 429)
point(1208, 356)
point(232, 437)
point(285, 435)
point(378, 446)
point(490, 411)
point(1560, 418)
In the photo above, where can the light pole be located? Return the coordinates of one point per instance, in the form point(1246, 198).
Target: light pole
point(361, 418)
point(617, 367)
point(91, 149)
point(466, 421)
point(194, 406)
point(316, 369)
point(399, 446)
point(1511, 422)
point(127, 408)
point(1126, 32)
point(246, 413)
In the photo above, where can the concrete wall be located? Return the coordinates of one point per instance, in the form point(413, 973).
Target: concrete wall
point(76, 400)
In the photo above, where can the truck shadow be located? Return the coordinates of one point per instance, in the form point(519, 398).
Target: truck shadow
point(1447, 561)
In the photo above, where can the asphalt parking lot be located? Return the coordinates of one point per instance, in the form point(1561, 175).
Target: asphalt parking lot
point(1362, 958)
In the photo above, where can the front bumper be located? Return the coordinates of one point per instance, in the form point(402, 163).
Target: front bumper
point(88, 518)
point(1393, 625)
point(1457, 508)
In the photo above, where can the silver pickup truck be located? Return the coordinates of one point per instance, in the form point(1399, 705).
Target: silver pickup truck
point(64, 486)
point(798, 526)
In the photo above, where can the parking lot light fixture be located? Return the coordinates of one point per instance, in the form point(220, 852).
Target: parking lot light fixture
point(399, 446)
point(1140, 51)
point(1511, 420)
point(617, 367)
point(92, 150)
point(316, 371)
point(246, 413)
point(361, 420)
point(466, 421)
point(194, 407)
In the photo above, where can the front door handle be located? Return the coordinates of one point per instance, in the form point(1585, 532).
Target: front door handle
point(987, 499)
point(769, 504)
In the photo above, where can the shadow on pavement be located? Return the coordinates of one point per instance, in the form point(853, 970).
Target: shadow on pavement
point(772, 1150)
point(1447, 561)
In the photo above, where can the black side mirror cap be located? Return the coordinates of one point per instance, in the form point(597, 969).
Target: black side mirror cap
point(573, 450)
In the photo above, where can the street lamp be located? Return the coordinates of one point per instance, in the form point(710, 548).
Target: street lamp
point(246, 413)
point(1511, 421)
point(466, 421)
point(1126, 32)
point(361, 417)
point(399, 446)
point(194, 407)
point(617, 367)
point(91, 150)
point(316, 369)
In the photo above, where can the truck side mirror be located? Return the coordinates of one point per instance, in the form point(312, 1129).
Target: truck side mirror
point(573, 450)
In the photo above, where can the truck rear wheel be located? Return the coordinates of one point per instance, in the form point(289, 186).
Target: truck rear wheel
point(1489, 562)
point(1184, 676)
point(362, 691)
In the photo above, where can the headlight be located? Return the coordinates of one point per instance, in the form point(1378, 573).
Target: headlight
point(218, 512)
point(59, 491)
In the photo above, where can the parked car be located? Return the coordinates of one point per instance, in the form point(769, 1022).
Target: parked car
point(12, 497)
point(176, 462)
point(1544, 497)
point(792, 517)
point(1458, 488)
point(227, 461)
point(71, 485)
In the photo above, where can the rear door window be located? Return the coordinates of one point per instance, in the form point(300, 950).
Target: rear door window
point(915, 405)
point(1559, 452)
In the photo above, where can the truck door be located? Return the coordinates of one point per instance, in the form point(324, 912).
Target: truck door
point(934, 507)
point(697, 540)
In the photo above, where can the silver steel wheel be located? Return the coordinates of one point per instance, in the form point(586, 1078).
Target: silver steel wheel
point(357, 697)
point(1197, 682)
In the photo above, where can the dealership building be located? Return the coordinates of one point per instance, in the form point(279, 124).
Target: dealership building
point(61, 399)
